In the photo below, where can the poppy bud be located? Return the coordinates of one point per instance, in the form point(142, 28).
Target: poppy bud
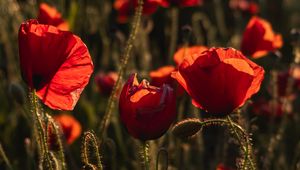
point(106, 82)
point(259, 38)
point(146, 111)
point(220, 79)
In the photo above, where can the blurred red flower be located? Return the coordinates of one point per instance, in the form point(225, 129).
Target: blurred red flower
point(71, 128)
point(219, 80)
point(146, 111)
point(106, 82)
point(187, 51)
point(55, 63)
point(259, 38)
point(162, 76)
point(181, 3)
point(282, 82)
point(247, 6)
point(126, 8)
point(267, 108)
point(50, 16)
point(223, 167)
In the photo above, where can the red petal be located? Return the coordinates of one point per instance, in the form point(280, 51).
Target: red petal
point(64, 90)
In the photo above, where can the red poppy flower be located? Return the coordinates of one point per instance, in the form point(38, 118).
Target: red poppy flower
point(259, 38)
point(253, 8)
point(220, 79)
point(50, 16)
point(181, 3)
point(223, 167)
point(56, 63)
point(267, 108)
point(106, 82)
point(126, 8)
point(146, 111)
point(244, 6)
point(71, 128)
point(162, 76)
point(282, 80)
point(187, 51)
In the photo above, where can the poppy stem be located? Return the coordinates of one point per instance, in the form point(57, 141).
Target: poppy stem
point(240, 134)
point(58, 134)
point(174, 32)
point(278, 136)
point(122, 68)
point(219, 13)
point(245, 143)
point(42, 138)
point(4, 157)
point(145, 155)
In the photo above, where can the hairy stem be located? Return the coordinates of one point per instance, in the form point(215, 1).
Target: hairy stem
point(4, 157)
point(244, 143)
point(240, 134)
point(122, 68)
point(174, 32)
point(58, 134)
point(42, 138)
point(145, 155)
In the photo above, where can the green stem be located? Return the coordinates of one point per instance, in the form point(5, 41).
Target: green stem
point(243, 144)
point(44, 152)
point(58, 135)
point(240, 134)
point(145, 155)
point(174, 32)
point(122, 68)
point(219, 12)
point(38, 123)
point(4, 157)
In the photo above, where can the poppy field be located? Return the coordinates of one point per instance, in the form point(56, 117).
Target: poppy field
point(150, 84)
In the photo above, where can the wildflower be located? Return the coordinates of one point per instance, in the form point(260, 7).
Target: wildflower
point(146, 111)
point(187, 51)
point(106, 82)
point(71, 128)
point(219, 80)
point(50, 16)
point(181, 3)
point(126, 8)
point(268, 108)
point(55, 63)
point(223, 167)
point(162, 76)
point(287, 82)
point(246, 6)
point(259, 38)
